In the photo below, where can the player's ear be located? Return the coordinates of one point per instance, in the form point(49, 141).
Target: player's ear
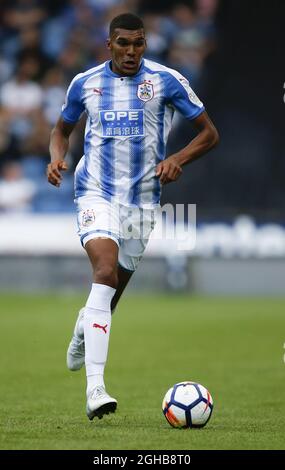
point(108, 43)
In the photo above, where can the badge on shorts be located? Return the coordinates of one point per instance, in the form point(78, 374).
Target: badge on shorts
point(88, 217)
point(145, 91)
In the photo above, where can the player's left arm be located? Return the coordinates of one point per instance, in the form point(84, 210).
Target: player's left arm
point(171, 168)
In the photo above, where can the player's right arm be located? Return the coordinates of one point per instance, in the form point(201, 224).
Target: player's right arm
point(59, 142)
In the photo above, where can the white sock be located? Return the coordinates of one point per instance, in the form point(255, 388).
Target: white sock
point(79, 330)
point(96, 379)
point(97, 325)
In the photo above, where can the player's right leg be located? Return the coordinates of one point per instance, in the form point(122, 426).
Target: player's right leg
point(103, 255)
point(76, 350)
point(95, 217)
point(99, 231)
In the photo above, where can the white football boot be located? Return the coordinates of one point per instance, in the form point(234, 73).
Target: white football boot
point(75, 357)
point(99, 403)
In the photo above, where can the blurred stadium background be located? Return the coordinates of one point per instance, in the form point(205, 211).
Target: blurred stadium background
point(230, 52)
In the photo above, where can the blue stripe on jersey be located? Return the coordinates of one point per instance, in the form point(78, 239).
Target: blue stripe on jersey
point(74, 104)
point(137, 153)
point(107, 145)
point(88, 137)
point(160, 153)
point(177, 95)
point(81, 180)
point(82, 176)
point(73, 107)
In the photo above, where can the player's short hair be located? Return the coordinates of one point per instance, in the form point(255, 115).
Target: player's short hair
point(126, 21)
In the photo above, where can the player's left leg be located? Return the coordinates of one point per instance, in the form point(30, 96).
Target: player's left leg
point(75, 356)
point(124, 275)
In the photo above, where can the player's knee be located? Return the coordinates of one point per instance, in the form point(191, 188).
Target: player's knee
point(106, 275)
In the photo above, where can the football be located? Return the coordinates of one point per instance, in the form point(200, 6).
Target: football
point(187, 405)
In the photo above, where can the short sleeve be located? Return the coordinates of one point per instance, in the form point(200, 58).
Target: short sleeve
point(182, 97)
point(73, 106)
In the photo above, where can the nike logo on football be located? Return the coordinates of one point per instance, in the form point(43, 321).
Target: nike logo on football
point(104, 328)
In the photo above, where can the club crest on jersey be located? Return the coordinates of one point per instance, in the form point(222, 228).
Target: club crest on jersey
point(145, 91)
point(88, 217)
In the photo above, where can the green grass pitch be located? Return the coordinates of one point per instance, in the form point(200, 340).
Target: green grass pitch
point(232, 346)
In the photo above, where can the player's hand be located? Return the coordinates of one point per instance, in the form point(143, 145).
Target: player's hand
point(169, 170)
point(54, 169)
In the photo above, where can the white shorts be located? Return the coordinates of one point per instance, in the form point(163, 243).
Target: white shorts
point(129, 227)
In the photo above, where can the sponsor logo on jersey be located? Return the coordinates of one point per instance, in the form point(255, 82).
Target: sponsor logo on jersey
point(122, 123)
point(88, 217)
point(145, 91)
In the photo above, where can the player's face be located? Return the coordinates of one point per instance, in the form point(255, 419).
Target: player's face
point(127, 48)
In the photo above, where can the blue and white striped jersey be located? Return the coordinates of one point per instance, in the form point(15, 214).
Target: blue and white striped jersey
point(128, 122)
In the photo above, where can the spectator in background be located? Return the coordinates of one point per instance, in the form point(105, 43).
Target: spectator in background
point(74, 56)
point(187, 51)
point(8, 144)
point(206, 11)
point(24, 14)
point(6, 69)
point(30, 48)
point(53, 93)
point(156, 39)
point(21, 99)
point(16, 191)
